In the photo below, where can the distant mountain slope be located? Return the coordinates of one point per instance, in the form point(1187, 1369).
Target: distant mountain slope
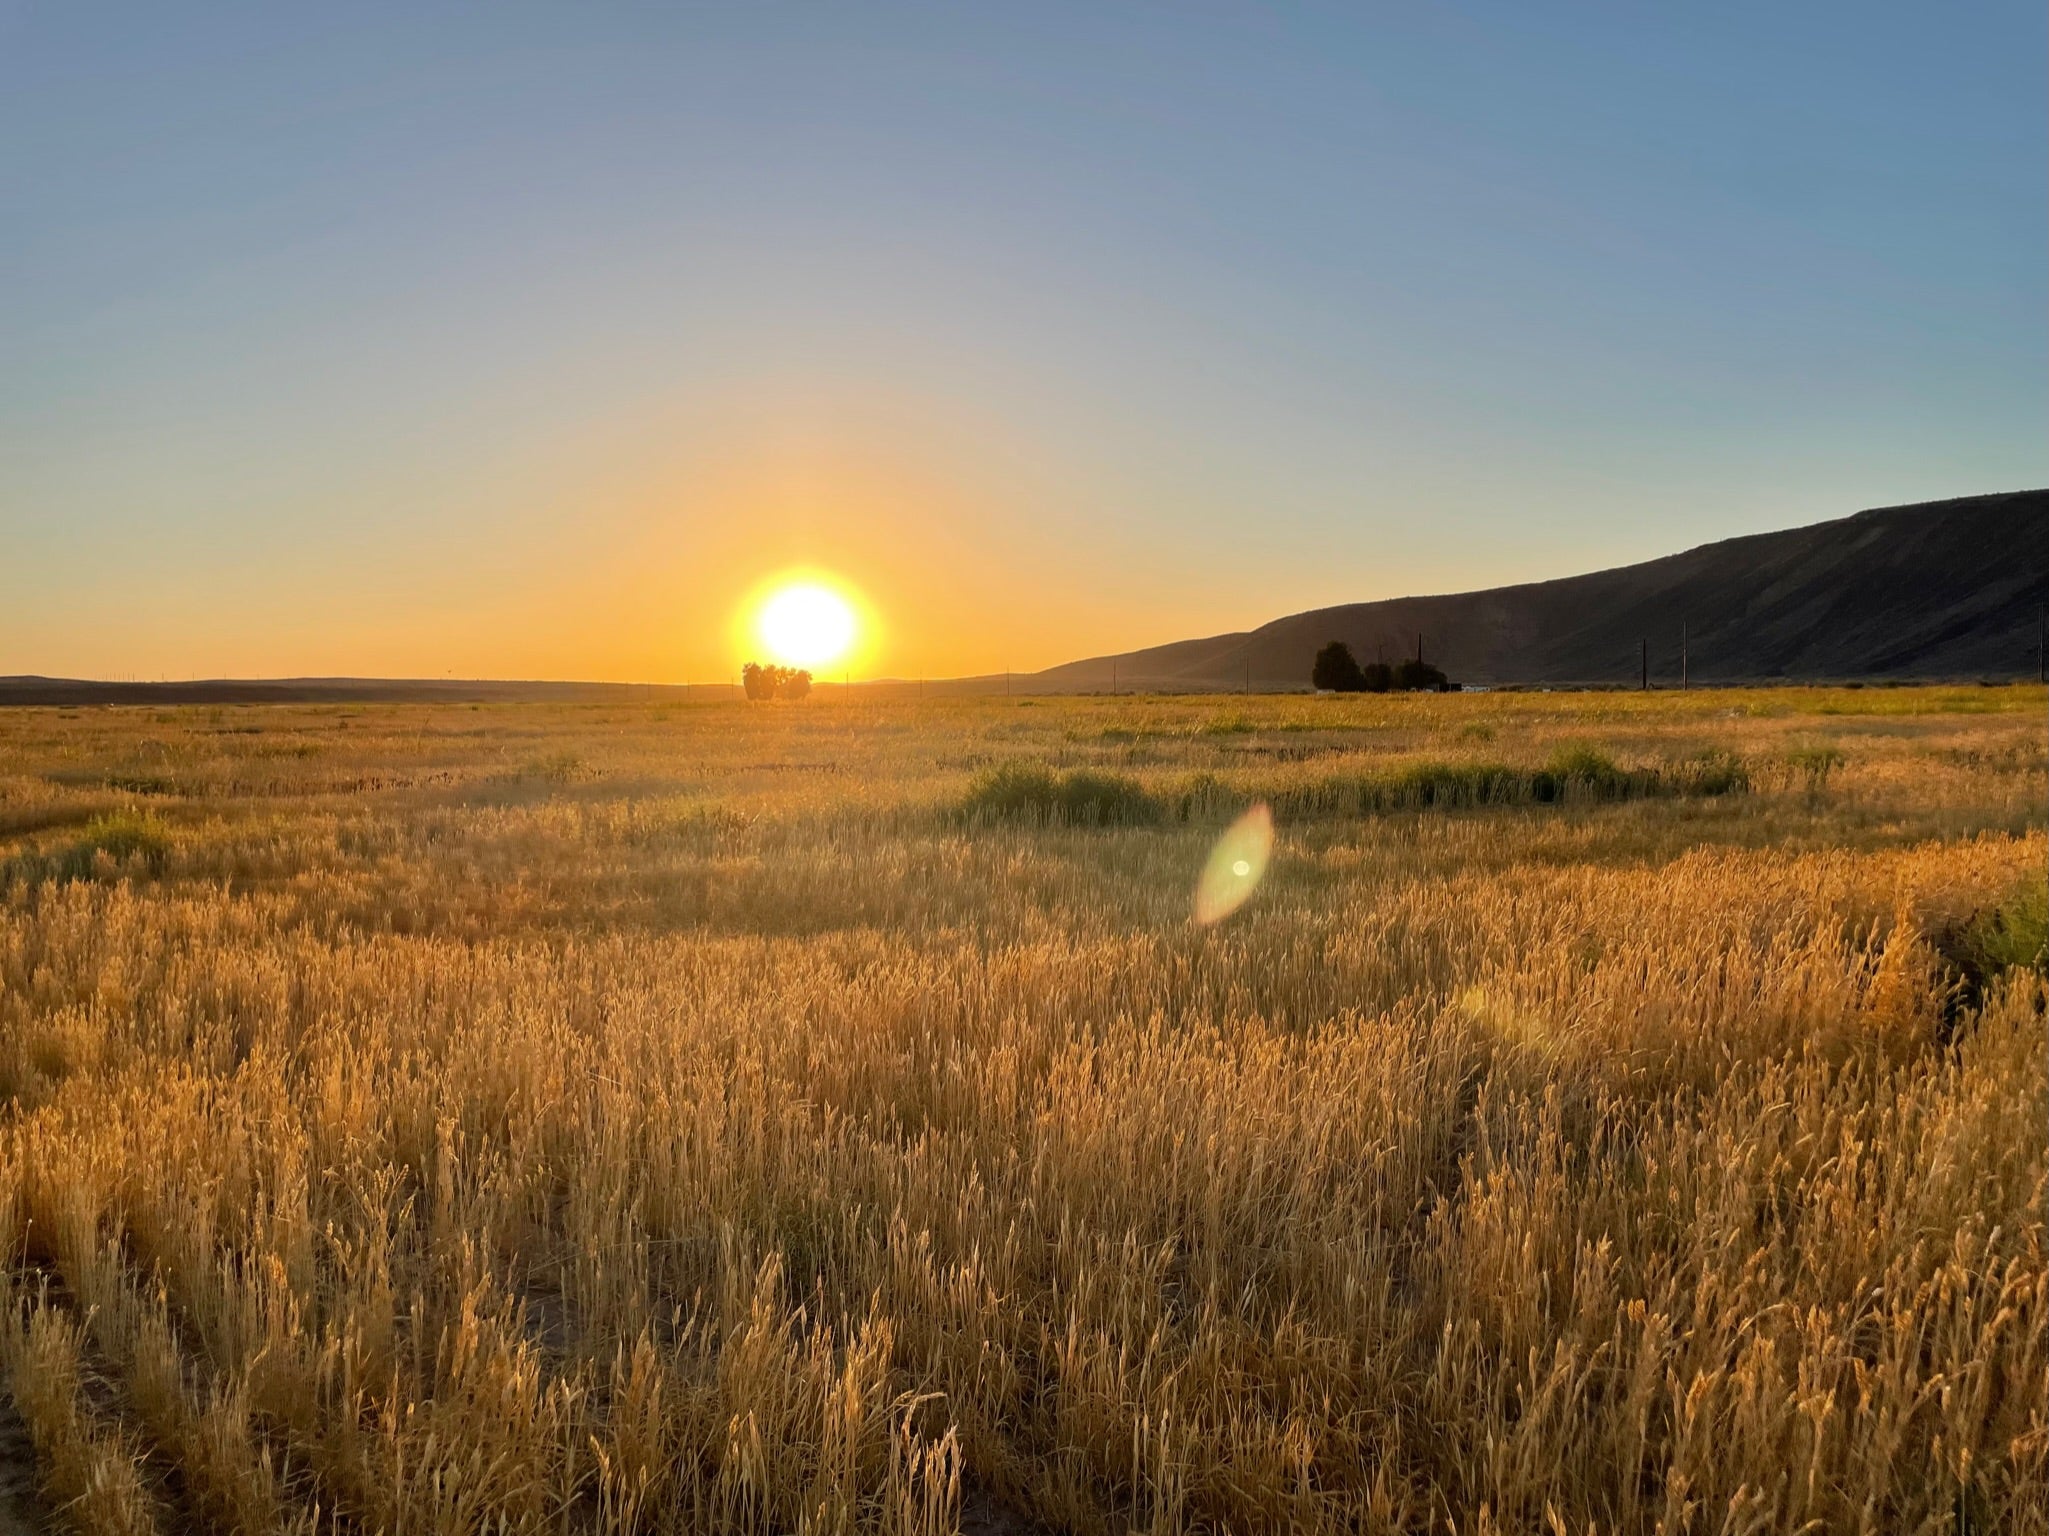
point(1939, 589)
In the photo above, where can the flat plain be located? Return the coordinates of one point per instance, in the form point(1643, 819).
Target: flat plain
point(1613, 1112)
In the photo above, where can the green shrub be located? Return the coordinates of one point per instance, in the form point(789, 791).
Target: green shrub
point(1034, 793)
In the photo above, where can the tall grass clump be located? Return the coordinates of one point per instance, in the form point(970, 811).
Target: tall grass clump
point(111, 844)
point(2009, 934)
point(1814, 762)
point(1033, 794)
point(124, 835)
point(1715, 771)
point(1586, 773)
point(1572, 776)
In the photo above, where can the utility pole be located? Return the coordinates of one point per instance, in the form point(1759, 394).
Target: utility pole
point(2042, 665)
point(1645, 681)
point(1682, 655)
point(1419, 647)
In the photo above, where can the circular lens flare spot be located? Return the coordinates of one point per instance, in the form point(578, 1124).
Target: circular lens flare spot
point(806, 625)
point(1236, 866)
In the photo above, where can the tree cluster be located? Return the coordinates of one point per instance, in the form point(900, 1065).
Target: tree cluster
point(1336, 670)
point(773, 682)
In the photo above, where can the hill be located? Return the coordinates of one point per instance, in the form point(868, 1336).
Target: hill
point(1937, 589)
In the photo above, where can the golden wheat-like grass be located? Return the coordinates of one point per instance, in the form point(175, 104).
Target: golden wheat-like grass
point(688, 1119)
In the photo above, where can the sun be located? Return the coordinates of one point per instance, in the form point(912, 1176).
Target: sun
point(806, 624)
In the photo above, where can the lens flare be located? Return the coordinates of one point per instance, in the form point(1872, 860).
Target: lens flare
point(1235, 867)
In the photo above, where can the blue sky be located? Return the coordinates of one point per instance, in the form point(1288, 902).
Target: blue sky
point(522, 340)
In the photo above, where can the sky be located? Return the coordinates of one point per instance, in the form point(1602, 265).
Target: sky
point(527, 340)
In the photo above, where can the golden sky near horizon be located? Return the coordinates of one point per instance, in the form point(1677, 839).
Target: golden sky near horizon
point(639, 554)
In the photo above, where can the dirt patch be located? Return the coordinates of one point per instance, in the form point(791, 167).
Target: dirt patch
point(983, 1514)
point(20, 1510)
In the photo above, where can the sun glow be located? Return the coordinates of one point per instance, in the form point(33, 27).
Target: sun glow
point(806, 624)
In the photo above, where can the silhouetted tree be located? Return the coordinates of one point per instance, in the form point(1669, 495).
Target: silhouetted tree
point(1336, 670)
point(1376, 677)
point(773, 682)
point(1420, 677)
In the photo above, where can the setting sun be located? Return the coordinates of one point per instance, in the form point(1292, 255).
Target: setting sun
point(806, 624)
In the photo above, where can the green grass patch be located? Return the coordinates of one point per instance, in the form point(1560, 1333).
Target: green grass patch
point(127, 838)
point(1574, 776)
point(1582, 773)
point(111, 844)
point(1035, 795)
point(2012, 935)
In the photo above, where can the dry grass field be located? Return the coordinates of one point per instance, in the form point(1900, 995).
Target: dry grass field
point(1614, 1113)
